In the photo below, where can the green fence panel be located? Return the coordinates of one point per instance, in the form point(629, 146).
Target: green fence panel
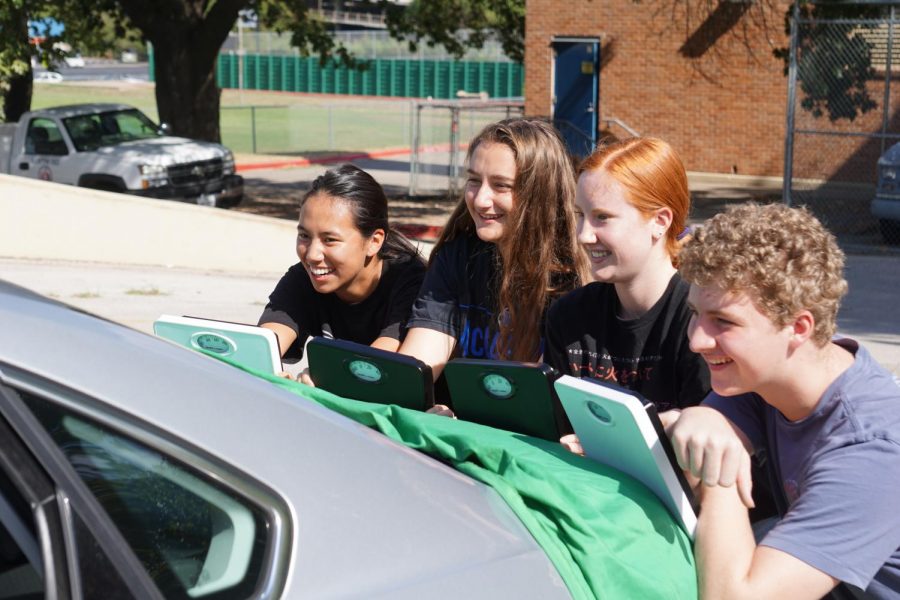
point(367, 80)
point(442, 85)
point(493, 80)
point(341, 80)
point(328, 78)
point(274, 82)
point(313, 77)
point(504, 81)
point(395, 78)
point(470, 72)
point(249, 68)
point(299, 73)
point(490, 79)
point(383, 77)
point(281, 73)
point(413, 76)
point(220, 71)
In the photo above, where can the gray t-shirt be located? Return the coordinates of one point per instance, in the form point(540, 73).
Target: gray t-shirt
point(839, 470)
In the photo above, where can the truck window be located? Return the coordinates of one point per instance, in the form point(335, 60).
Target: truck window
point(85, 132)
point(91, 131)
point(44, 137)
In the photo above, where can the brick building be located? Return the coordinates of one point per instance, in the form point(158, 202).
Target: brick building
point(700, 75)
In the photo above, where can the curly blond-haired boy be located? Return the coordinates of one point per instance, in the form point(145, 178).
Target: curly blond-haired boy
point(766, 285)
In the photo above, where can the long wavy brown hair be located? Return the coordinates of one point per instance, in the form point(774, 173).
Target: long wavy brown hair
point(540, 257)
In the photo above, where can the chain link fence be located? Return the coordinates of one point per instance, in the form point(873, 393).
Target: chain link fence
point(842, 116)
point(434, 133)
point(312, 129)
point(363, 44)
point(441, 134)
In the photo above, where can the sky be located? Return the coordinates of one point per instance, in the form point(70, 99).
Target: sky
point(45, 26)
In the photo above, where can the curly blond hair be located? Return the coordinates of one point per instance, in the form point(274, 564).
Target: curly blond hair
point(782, 257)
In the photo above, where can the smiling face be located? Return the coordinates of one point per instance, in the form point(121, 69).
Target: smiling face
point(744, 349)
point(618, 238)
point(489, 195)
point(337, 257)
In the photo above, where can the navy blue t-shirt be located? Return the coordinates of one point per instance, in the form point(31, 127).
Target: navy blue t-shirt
point(458, 296)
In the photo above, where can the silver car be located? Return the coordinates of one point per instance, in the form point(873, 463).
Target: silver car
point(130, 467)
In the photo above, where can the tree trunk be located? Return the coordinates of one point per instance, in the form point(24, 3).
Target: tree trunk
point(186, 37)
point(17, 100)
point(187, 96)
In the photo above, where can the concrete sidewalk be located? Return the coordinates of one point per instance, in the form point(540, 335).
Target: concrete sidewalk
point(136, 296)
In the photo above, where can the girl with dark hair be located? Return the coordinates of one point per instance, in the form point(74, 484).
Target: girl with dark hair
point(356, 279)
point(507, 250)
point(630, 326)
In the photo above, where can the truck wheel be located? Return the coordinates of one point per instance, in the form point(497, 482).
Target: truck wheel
point(230, 203)
point(105, 187)
point(890, 231)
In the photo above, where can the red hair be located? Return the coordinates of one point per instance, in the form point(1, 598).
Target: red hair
point(652, 176)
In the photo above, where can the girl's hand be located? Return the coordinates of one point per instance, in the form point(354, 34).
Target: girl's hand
point(303, 377)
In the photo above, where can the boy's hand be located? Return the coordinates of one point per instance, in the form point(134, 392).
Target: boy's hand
point(441, 409)
point(571, 443)
point(708, 447)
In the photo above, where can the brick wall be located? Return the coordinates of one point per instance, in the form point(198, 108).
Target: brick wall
point(705, 82)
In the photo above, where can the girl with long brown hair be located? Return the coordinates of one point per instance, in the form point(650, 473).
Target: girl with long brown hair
point(630, 325)
point(507, 250)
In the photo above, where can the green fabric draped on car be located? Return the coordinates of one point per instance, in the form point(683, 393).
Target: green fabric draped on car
point(607, 534)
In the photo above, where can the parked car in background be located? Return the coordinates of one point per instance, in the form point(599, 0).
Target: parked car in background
point(74, 61)
point(134, 468)
point(128, 56)
point(886, 204)
point(47, 77)
point(116, 147)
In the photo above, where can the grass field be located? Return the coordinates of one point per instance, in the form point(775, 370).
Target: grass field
point(288, 124)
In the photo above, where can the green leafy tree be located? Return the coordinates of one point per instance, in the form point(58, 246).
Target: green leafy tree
point(187, 35)
point(459, 24)
point(18, 48)
point(834, 60)
point(15, 59)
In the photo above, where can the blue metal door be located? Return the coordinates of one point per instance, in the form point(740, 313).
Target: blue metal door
point(575, 78)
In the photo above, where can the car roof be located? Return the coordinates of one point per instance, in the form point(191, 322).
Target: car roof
point(370, 517)
point(70, 110)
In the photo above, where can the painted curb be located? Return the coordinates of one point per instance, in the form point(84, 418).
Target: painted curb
point(338, 158)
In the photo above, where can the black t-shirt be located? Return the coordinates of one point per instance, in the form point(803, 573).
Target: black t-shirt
point(650, 354)
point(296, 304)
point(458, 296)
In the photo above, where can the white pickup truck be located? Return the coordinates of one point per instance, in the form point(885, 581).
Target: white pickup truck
point(116, 147)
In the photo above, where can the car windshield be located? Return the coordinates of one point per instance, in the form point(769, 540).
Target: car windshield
point(92, 131)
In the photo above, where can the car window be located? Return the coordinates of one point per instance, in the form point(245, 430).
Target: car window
point(195, 538)
point(21, 566)
point(44, 137)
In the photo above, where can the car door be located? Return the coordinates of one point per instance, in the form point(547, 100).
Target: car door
point(163, 527)
point(54, 542)
point(45, 153)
